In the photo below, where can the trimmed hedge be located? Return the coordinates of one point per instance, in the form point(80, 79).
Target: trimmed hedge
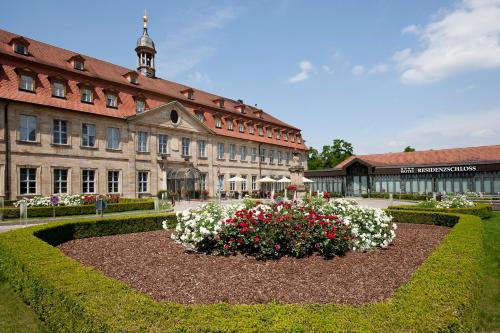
point(11, 213)
point(402, 196)
point(423, 217)
point(482, 210)
point(441, 296)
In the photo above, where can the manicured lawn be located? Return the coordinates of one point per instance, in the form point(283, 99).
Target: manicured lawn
point(490, 301)
point(15, 316)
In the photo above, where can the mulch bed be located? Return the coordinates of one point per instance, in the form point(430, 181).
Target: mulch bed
point(154, 264)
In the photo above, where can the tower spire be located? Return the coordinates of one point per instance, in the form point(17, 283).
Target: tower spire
point(145, 50)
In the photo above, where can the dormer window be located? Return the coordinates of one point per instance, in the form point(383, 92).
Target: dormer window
point(200, 117)
point(26, 82)
point(278, 134)
point(219, 102)
point(241, 127)
point(188, 93)
point(251, 129)
point(86, 94)
point(229, 124)
point(285, 136)
point(111, 100)
point(292, 138)
point(269, 133)
point(218, 122)
point(58, 89)
point(21, 49)
point(261, 131)
point(77, 64)
point(132, 77)
point(299, 139)
point(140, 105)
point(20, 45)
point(241, 108)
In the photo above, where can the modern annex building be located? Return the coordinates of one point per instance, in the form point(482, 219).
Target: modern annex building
point(70, 123)
point(474, 169)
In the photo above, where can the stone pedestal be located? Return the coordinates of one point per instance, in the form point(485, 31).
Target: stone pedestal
point(296, 174)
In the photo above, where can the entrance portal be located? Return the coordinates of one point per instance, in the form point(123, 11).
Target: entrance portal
point(357, 180)
point(184, 183)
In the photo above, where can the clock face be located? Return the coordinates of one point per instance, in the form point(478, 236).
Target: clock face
point(174, 116)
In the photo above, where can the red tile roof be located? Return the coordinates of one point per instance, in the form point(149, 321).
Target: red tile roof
point(50, 61)
point(479, 154)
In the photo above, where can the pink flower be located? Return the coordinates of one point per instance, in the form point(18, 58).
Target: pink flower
point(277, 247)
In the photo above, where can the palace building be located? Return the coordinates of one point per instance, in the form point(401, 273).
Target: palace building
point(458, 170)
point(70, 123)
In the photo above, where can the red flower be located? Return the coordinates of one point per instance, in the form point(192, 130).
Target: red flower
point(232, 239)
point(226, 246)
point(256, 239)
point(277, 247)
point(331, 235)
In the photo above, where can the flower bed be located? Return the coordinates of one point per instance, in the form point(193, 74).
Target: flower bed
point(66, 200)
point(441, 296)
point(326, 227)
point(452, 201)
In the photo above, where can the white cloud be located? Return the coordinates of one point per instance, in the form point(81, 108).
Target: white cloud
point(442, 130)
point(328, 69)
point(185, 48)
point(305, 67)
point(462, 39)
point(379, 69)
point(358, 70)
point(401, 55)
point(411, 29)
point(199, 78)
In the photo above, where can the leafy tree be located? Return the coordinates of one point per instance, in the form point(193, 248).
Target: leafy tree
point(314, 160)
point(409, 149)
point(330, 155)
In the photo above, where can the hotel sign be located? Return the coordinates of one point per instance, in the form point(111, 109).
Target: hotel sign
point(460, 168)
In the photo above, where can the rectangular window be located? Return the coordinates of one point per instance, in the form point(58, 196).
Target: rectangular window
point(78, 65)
point(232, 152)
point(280, 157)
point(88, 135)
point(220, 182)
point(27, 181)
point(262, 155)
point(58, 89)
point(203, 181)
point(220, 150)
point(162, 144)
point(86, 95)
point(60, 181)
point(285, 136)
point(142, 141)
point(113, 181)
point(202, 148)
point(200, 116)
point(287, 158)
point(244, 183)
point(88, 181)
point(142, 181)
point(232, 185)
point(254, 154)
point(292, 138)
point(186, 142)
point(251, 129)
point(229, 124)
point(113, 138)
point(111, 101)
point(278, 134)
point(140, 105)
point(27, 128)
point(21, 49)
point(243, 153)
point(271, 156)
point(254, 183)
point(218, 122)
point(269, 133)
point(26, 82)
point(241, 127)
point(60, 132)
point(261, 131)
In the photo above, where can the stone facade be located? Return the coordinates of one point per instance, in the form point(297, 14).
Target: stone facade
point(45, 156)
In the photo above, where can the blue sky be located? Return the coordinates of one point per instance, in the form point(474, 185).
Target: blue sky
point(379, 74)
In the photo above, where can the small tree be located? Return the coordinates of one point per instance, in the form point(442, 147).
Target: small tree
point(409, 149)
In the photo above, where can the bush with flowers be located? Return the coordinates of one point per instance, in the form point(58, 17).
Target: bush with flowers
point(451, 201)
point(65, 200)
point(285, 228)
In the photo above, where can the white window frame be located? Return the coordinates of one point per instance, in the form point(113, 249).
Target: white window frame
point(113, 136)
point(254, 154)
point(140, 105)
point(26, 82)
point(142, 142)
point(218, 122)
point(243, 153)
point(113, 183)
point(163, 144)
point(112, 100)
point(202, 148)
point(86, 95)
point(220, 150)
point(186, 146)
point(58, 182)
point(232, 152)
point(27, 127)
point(87, 181)
point(30, 178)
point(88, 134)
point(229, 124)
point(58, 89)
point(58, 134)
point(143, 182)
point(254, 182)
point(241, 127)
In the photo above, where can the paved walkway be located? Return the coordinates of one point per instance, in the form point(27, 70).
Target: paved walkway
point(180, 206)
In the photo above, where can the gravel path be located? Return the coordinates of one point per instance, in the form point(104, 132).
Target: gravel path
point(154, 264)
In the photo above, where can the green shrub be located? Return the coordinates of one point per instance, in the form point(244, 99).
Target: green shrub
point(441, 296)
point(423, 217)
point(397, 196)
point(10, 213)
point(484, 211)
